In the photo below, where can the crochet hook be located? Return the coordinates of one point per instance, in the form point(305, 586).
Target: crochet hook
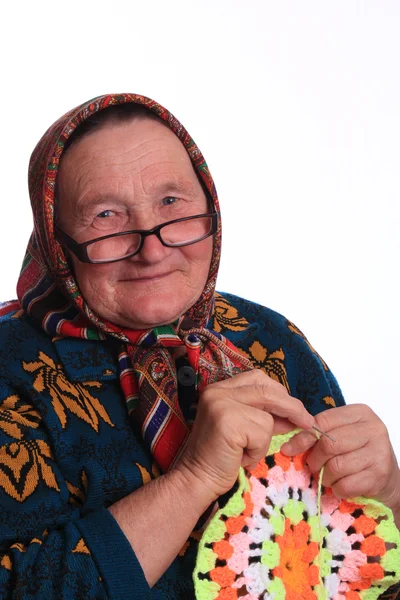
point(323, 433)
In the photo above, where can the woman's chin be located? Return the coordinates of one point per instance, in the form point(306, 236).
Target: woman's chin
point(147, 306)
point(150, 312)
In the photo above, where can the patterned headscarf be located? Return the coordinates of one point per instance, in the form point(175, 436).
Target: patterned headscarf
point(49, 294)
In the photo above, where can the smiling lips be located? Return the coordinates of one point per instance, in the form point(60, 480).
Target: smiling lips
point(147, 278)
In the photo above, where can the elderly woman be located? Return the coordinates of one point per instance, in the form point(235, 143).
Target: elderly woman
point(121, 366)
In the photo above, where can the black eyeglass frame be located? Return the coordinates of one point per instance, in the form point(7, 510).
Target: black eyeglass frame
point(80, 250)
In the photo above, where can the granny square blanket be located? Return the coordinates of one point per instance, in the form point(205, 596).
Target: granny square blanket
point(282, 535)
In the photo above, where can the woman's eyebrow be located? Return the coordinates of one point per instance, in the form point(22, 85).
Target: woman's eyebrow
point(172, 185)
point(90, 201)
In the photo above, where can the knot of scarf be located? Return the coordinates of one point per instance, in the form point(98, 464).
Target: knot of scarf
point(149, 382)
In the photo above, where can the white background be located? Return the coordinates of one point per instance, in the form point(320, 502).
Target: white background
point(296, 106)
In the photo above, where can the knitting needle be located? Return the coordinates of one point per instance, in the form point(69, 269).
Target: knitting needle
point(323, 433)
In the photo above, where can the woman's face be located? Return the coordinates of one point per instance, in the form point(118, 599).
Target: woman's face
point(134, 175)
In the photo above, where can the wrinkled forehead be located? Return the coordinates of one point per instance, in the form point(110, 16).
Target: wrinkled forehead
point(143, 152)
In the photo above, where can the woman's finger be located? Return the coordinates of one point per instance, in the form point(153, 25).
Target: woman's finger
point(282, 426)
point(257, 446)
point(300, 443)
point(357, 484)
point(344, 415)
point(266, 420)
point(347, 439)
point(277, 403)
point(256, 417)
point(359, 420)
point(259, 390)
point(344, 465)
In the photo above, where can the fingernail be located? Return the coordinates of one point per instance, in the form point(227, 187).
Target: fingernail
point(311, 420)
point(286, 448)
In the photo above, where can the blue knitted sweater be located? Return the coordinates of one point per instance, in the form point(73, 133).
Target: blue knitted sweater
point(68, 451)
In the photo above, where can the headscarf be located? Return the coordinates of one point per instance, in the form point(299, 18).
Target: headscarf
point(49, 294)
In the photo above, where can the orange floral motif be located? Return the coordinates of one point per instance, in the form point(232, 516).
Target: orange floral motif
point(23, 464)
point(329, 401)
point(22, 547)
point(78, 494)
point(146, 477)
point(295, 569)
point(273, 363)
point(65, 396)
point(15, 414)
point(6, 562)
point(227, 317)
point(81, 548)
point(5, 559)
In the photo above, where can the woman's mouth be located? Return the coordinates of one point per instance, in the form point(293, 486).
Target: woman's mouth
point(146, 277)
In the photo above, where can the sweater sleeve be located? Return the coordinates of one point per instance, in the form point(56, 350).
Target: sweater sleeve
point(50, 548)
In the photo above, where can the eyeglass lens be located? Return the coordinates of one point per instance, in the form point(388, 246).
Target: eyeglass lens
point(175, 234)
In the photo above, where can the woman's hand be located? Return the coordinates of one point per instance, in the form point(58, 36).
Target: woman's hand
point(361, 460)
point(235, 421)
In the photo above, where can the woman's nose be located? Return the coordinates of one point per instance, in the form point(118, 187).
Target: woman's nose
point(153, 250)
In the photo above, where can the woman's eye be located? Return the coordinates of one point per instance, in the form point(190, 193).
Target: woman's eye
point(169, 200)
point(104, 214)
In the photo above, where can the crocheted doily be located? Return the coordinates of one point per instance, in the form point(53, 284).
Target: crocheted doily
point(283, 535)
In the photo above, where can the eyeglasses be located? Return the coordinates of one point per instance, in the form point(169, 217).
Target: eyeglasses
point(118, 246)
